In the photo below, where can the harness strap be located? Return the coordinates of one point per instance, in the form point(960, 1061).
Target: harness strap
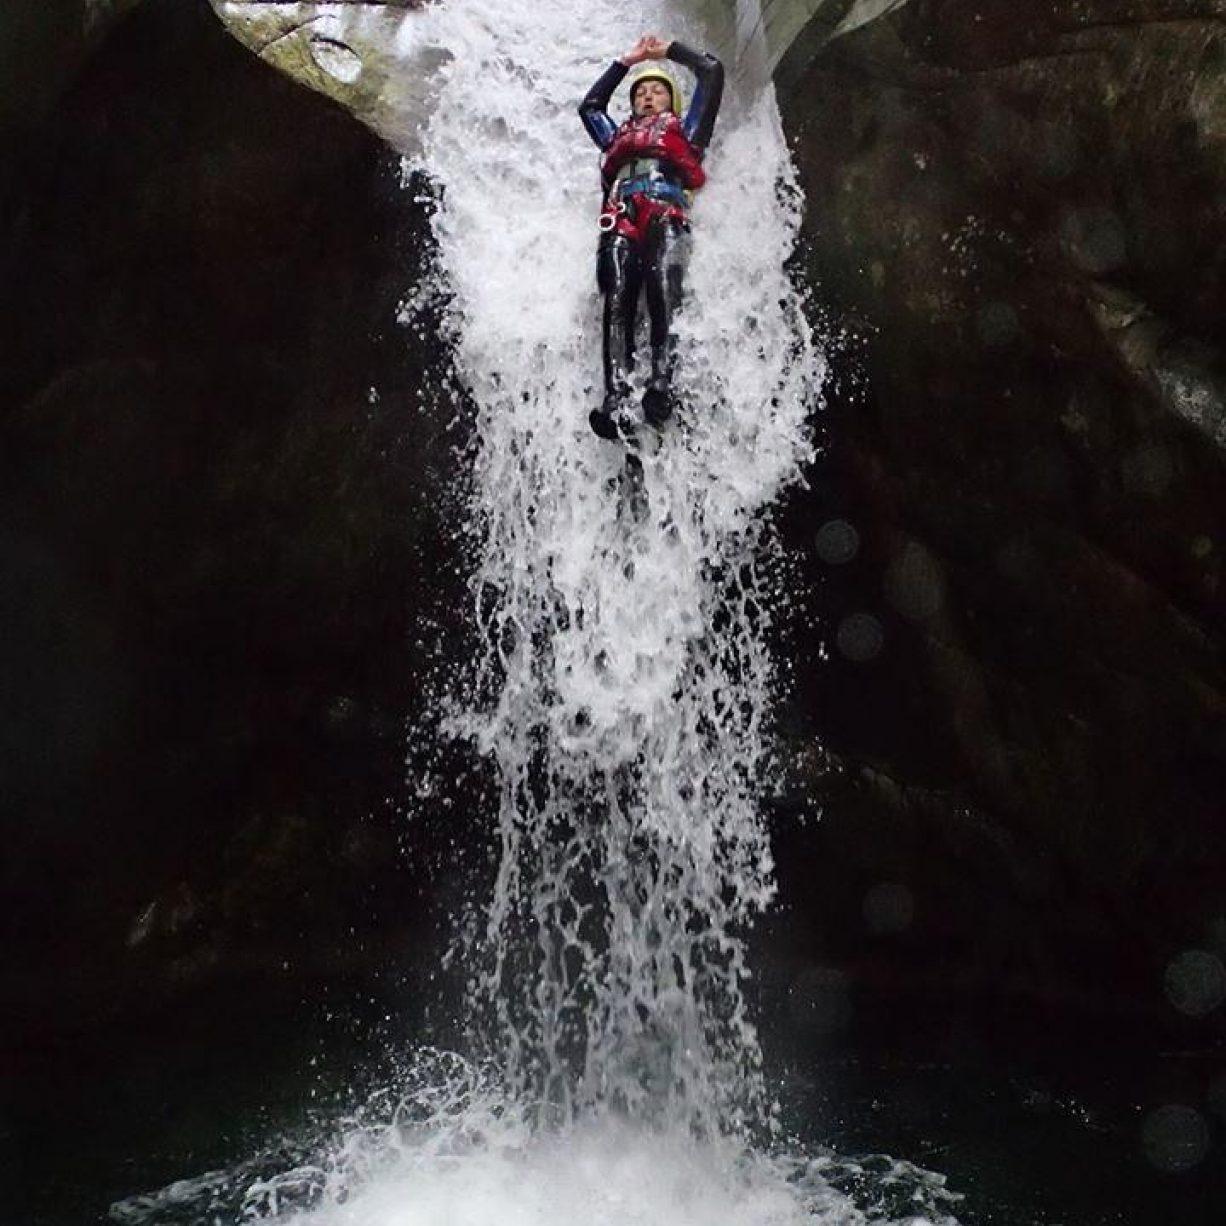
point(631, 218)
point(655, 187)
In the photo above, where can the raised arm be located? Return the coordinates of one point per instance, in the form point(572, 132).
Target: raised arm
point(700, 116)
point(593, 109)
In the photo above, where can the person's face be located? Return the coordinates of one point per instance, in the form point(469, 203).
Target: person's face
point(652, 98)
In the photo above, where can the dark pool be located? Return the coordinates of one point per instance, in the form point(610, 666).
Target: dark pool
point(1045, 1135)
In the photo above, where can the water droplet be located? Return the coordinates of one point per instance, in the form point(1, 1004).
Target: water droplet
point(1195, 982)
point(1175, 1138)
point(820, 1001)
point(889, 908)
point(1019, 561)
point(1094, 239)
point(914, 584)
point(1148, 470)
point(837, 542)
point(860, 637)
point(997, 324)
point(1059, 154)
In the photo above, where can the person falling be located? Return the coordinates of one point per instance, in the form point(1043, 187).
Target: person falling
point(651, 166)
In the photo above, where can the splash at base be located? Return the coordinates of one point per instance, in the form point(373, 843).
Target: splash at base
point(443, 1146)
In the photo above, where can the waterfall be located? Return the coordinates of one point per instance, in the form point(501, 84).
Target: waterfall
point(624, 691)
point(621, 695)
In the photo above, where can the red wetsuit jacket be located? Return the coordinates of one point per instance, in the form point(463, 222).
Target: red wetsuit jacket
point(658, 137)
point(652, 162)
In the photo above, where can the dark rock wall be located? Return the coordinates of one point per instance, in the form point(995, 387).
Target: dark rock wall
point(218, 545)
point(221, 521)
point(43, 44)
point(1017, 215)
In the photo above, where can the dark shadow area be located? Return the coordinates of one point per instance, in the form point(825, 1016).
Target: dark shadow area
point(226, 535)
point(1008, 723)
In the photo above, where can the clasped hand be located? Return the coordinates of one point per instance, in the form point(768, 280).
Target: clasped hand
point(649, 47)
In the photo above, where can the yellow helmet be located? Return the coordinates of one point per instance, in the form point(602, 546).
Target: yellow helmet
point(653, 72)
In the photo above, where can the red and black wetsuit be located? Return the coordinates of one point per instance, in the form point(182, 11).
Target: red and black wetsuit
point(650, 166)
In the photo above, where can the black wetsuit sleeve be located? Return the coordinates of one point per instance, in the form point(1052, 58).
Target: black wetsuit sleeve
point(592, 110)
point(699, 119)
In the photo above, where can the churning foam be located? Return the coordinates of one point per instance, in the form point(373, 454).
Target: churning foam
point(625, 691)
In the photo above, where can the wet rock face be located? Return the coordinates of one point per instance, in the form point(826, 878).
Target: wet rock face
point(224, 510)
point(1017, 214)
point(369, 57)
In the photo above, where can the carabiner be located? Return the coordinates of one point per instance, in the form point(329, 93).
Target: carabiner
point(608, 220)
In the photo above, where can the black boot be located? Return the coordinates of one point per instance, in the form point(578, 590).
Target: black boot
point(658, 398)
point(611, 421)
point(657, 403)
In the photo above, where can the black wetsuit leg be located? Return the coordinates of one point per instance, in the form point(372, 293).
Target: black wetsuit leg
point(619, 273)
point(664, 267)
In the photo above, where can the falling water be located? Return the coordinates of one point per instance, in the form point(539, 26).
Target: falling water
point(622, 695)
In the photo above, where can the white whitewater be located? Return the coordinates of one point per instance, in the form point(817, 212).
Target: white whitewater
point(623, 697)
point(627, 684)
